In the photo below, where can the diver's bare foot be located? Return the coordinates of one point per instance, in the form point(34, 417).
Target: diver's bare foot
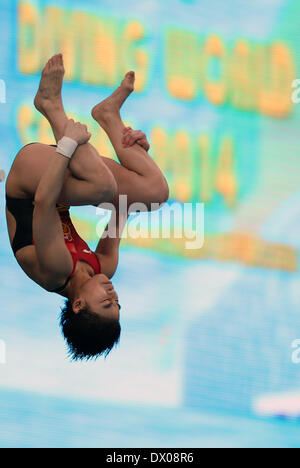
point(49, 92)
point(115, 101)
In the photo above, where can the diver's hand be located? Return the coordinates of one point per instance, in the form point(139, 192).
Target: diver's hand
point(77, 132)
point(130, 137)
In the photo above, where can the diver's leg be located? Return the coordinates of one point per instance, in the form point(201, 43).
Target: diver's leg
point(138, 176)
point(48, 100)
point(31, 163)
point(86, 164)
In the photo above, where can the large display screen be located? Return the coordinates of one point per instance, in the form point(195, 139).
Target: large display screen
point(210, 317)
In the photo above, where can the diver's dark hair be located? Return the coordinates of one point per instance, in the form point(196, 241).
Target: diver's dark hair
point(88, 335)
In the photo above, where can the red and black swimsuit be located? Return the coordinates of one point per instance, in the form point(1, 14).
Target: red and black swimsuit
point(77, 247)
point(22, 210)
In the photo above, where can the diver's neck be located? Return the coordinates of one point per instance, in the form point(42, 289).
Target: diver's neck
point(79, 278)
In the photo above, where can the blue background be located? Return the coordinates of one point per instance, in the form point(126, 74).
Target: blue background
point(201, 341)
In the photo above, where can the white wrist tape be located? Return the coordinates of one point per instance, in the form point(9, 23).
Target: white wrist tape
point(66, 146)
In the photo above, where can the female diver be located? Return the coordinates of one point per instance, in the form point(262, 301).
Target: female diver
point(45, 180)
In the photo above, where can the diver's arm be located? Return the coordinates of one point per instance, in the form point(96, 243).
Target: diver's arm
point(51, 183)
point(109, 244)
point(52, 254)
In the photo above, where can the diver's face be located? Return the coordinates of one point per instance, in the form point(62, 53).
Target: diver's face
point(100, 297)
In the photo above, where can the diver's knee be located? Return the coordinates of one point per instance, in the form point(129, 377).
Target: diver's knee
point(159, 191)
point(107, 190)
